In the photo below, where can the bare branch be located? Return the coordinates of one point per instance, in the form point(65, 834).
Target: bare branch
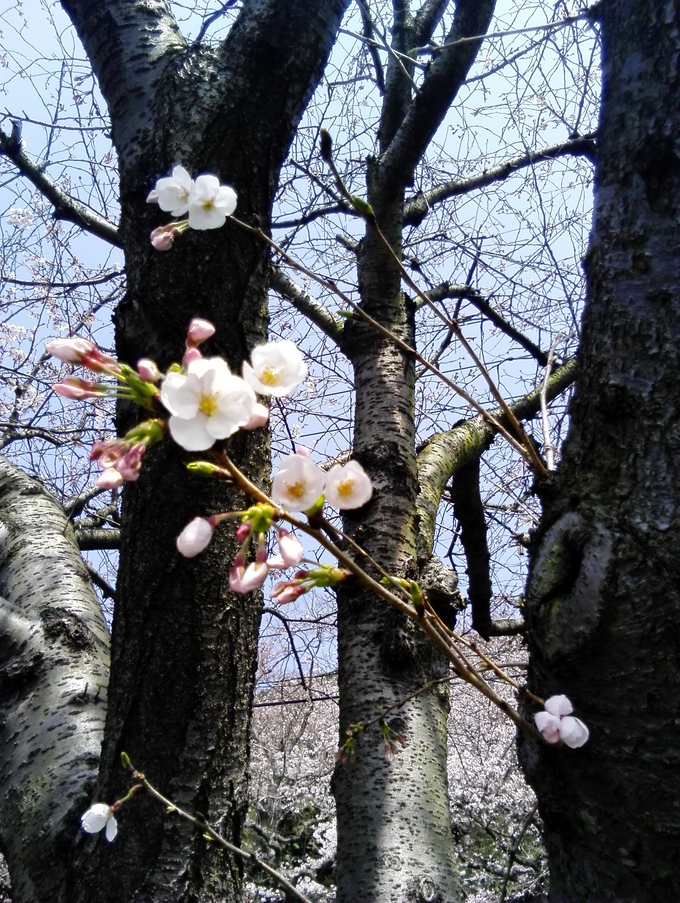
point(452, 290)
point(308, 306)
point(417, 208)
point(444, 454)
point(65, 206)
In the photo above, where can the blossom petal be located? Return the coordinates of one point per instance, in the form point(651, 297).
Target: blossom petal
point(111, 829)
point(195, 537)
point(549, 726)
point(573, 732)
point(95, 818)
point(558, 705)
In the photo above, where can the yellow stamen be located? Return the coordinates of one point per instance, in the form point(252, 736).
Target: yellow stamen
point(295, 490)
point(208, 404)
point(270, 376)
point(345, 488)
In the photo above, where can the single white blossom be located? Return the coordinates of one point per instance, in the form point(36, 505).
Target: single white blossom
point(549, 726)
point(97, 817)
point(298, 483)
point(348, 486)
point(206, 403)
point(210, 203)
point(573, 732)
point(195, 537)
point(172, 192)
point(277, 368)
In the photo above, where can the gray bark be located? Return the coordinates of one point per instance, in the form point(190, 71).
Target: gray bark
point(603, 600)
point(54, 670)
point(394, 838)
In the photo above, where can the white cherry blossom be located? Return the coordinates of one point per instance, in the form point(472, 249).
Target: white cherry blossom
point(277, 368)
point(298, 483)
point(210, 203)
point(348, 486)
point(97, 817)
point(207, 403)
point(172, 192)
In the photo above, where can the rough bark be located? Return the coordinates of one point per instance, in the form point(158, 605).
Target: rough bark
point(54, 669)
point(603, 601)
point(183, 647)
point(394, 838)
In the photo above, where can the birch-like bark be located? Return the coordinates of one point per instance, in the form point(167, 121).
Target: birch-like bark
point(603, 598)
point(54, 670)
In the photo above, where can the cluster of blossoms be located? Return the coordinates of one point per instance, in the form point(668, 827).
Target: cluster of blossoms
point(206, 203)
point(557, 724)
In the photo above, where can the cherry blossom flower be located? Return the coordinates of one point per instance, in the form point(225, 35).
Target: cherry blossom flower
point(348, 486)
point(210, 203)
point(111, 478)
point(290, 552)
point(96, 818)
point(172, 192)
point(195, 537)
point(206, 403)
point(298, 483)
point(277, 368)
point(557, 724)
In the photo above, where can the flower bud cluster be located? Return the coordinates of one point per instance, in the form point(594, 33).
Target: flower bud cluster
point(557, 724)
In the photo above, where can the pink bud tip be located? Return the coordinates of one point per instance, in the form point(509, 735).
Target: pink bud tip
point(199, 331)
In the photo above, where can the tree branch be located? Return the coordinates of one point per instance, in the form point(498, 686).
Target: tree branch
point(308, 306)
point(451, 290)
point(444, 454)
point(442, 81)
point(65, 206)
point(417, 208)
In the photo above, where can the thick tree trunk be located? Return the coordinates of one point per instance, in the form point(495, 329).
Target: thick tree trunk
point(183, 647)
point(54, 669)
point(603, 601)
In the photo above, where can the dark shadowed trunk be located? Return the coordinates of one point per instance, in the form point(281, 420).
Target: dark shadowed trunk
point(183, 647)
point(603, 602)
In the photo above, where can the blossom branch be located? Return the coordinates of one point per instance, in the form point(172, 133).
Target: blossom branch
point(210, 833)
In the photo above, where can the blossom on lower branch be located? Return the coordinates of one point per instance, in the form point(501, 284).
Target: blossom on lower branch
point(557, 724)
point(98, 817)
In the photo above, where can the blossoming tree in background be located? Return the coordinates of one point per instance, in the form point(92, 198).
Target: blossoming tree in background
point(404, 282)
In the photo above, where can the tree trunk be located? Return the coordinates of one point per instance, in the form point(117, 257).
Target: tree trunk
point(183, 647)
point(54, 669)
point(603, 600)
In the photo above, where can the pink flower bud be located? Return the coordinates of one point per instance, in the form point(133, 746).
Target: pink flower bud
point(131, 464)
point(108, 453)
point(549, 726)
point(191, 355)
point(558, 705)
point(259, 418)
point(69, 351)
point(195, 537)
point(148, 370)
point(72, 387)
point(110, 479)
point(163, 237)
point(284, 592)
point(199, 331)
point(291, 552)
point(243, 531)
point(246, 580)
